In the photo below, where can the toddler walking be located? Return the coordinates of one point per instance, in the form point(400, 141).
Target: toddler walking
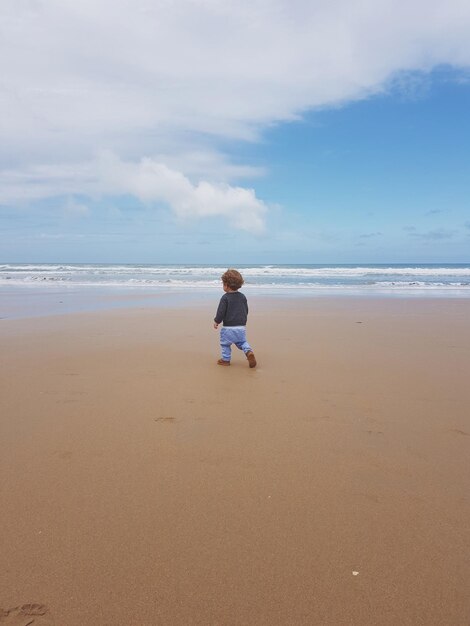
point(233, 312)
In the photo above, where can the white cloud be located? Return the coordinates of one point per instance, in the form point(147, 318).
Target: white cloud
point(150, 181)
point(74, 209)
point(172, 80)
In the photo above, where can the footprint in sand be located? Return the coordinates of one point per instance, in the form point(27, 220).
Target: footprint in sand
point(23, 615)
point(457, 431)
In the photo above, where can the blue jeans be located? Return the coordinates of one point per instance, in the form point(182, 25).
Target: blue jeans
point(236, 335)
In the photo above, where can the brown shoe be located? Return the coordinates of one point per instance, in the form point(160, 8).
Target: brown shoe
point(251, 359)
point(222, 362)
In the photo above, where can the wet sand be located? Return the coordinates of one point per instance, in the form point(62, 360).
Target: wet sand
point(142, 484)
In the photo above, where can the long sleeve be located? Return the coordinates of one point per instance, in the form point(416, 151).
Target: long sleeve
point(221, 310)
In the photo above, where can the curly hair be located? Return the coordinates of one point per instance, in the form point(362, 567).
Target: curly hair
point(233, 279)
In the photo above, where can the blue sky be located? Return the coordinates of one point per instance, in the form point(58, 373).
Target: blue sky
point(233, 138)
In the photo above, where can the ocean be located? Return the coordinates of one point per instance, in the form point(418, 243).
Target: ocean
point(307, 279)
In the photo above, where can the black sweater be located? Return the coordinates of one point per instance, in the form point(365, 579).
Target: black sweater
point(232, 310)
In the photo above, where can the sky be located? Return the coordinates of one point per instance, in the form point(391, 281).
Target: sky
point(235, 131)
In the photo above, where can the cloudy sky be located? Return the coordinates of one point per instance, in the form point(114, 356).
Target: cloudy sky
point(269, 131)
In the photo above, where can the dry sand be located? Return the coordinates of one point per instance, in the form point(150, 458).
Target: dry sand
point(142, 484)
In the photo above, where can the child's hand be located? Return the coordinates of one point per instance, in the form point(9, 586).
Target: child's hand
point(216, 326)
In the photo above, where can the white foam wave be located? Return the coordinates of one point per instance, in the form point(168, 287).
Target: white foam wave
point(300, 279)
point(51, 282)
point(276, 271)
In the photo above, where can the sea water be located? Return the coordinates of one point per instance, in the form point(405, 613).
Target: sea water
point(407, 279)
point(38, 289)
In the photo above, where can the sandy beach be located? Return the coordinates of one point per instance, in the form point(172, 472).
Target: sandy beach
point(142, 484)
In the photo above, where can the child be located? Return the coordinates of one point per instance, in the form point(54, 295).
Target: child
point(233, 312)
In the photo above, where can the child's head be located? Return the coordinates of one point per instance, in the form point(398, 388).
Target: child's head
point(232, 279)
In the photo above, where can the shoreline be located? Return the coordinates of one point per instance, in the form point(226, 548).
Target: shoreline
point(142, 484)
point(22, 302)
point(32, 289)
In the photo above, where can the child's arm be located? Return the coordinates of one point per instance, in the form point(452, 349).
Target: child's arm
point(221, 310)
